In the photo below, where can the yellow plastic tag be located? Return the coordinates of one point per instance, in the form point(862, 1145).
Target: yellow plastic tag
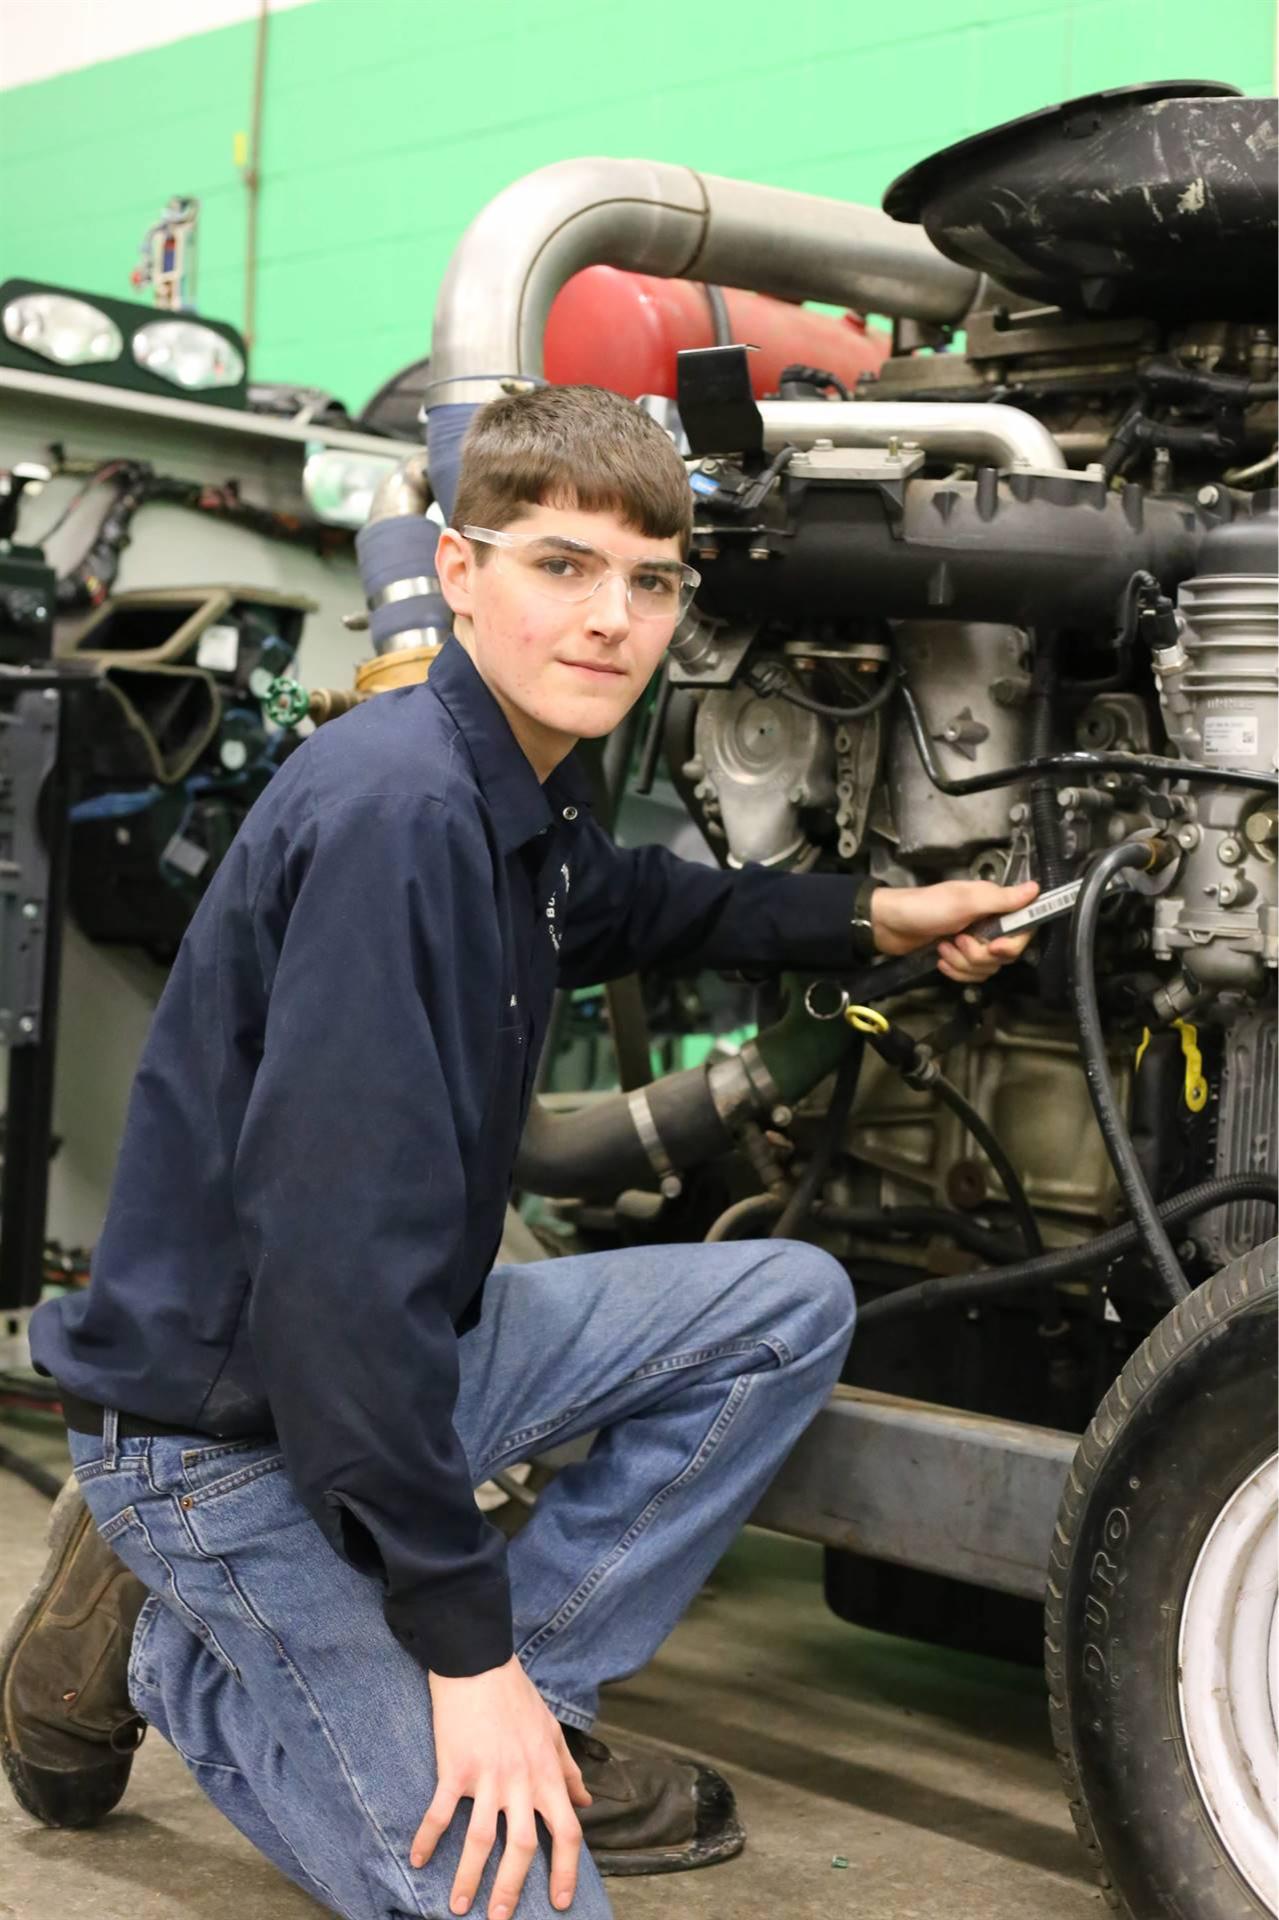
point(1196, 1085)
point(866, 1019)
point(1145, 1042)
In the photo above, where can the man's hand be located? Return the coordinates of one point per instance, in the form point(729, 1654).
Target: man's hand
point(904, 918)
point(498, 1744)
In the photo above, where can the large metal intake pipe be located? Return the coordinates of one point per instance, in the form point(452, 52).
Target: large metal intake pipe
point(995, 436)
point(517, 253)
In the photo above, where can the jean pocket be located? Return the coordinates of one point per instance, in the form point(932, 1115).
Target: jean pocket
point(130, 1540)
point(205, 1469)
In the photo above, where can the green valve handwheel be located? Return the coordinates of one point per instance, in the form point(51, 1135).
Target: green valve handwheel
point(286, 702)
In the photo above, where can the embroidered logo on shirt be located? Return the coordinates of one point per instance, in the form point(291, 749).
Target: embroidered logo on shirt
point(551, 927)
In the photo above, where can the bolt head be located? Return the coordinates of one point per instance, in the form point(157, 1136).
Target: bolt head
point(26, 1024)
point(782, 1116)
point(1229, 853)
point(671, 1186)
point(1207, 496)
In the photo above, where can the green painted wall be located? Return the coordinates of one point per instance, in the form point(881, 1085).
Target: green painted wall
point(389, 123)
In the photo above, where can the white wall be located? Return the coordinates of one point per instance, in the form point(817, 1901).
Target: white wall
point(40, 38)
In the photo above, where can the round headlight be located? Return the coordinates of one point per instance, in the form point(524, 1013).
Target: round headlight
point(187, 355)
point(69, 332)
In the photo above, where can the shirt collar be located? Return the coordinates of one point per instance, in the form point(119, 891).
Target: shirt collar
point(521, 805)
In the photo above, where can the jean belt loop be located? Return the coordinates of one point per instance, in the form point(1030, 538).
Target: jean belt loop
point(110, 1438)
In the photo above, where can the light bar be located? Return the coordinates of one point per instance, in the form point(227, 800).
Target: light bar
point(67, 331)
point(188, 355)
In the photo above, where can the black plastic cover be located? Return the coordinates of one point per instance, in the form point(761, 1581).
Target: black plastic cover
point(1157, 200)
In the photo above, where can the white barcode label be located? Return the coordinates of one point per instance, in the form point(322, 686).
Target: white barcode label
point(1230, 733)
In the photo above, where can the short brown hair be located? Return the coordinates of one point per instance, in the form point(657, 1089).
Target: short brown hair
point(579, 446)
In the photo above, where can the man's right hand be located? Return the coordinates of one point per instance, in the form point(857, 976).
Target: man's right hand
point(498, 1744)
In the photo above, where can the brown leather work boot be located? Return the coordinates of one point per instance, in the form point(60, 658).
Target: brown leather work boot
point(653, 1813)
point(68, 1731)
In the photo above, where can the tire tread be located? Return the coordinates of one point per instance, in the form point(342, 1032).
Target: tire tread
point(1233, 1288)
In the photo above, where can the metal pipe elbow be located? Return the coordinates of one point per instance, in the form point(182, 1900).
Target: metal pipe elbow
point(993, 436)
point(651, 217)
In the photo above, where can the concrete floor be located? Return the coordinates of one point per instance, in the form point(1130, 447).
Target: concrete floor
point(931, 1773)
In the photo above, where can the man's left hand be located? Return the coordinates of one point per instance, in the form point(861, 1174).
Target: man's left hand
point(904, 918)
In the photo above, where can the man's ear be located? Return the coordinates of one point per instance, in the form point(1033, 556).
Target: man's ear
point(454, 561)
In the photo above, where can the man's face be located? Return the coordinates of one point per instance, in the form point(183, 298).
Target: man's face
point(561, 670)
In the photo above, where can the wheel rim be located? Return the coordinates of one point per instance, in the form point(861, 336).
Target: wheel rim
point(1228, 1678)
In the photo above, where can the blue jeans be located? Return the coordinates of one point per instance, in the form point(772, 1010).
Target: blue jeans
point(264, 1658)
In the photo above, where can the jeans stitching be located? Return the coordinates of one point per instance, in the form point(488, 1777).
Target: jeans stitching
point(181, 1606)
point(569, 1608)
point(242, 1477)
point(255, 1619)
point(671, 1363)
point(133, 1681)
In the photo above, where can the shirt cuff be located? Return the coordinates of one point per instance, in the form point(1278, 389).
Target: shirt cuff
point(460, 1633)
point(864, 947)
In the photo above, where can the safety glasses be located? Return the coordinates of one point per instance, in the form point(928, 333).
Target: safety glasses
point(557, 568)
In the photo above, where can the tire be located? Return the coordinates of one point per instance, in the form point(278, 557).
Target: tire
point(1176, 1465)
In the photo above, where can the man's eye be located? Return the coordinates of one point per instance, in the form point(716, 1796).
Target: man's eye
point(655, 583)
point(554, 562)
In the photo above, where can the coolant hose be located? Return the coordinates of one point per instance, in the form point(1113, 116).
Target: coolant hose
point(1092, 1043)
point(397, 571)
point(986, 1283)
point(681, 1120)
point(445, 429)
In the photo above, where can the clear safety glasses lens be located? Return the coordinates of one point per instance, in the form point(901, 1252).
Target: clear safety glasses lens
point(556, 571)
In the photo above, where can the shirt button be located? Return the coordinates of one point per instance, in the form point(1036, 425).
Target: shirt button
point(570, 813)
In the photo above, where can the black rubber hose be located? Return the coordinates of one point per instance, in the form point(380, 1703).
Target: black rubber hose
point(800, 375)
point(1054, 870)
point(768, 682)
point(985, 1283)
point(1023, 1212)
point(1092, 1043)
point(1075, 764)
point(798, 1206)
point(1052, 1320)
point(721, 320)
point(991, 1246)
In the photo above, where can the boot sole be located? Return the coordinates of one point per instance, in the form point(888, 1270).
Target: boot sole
point(67, 1520)
point(706, 1852)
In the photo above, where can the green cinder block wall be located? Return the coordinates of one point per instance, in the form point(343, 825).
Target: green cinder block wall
point(389, 123)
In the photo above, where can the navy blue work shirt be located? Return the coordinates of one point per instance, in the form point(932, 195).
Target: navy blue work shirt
point(318, 1148)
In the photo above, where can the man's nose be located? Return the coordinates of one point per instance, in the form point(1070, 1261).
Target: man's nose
point(608, 610)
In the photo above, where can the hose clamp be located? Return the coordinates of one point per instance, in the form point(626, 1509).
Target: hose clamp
point(414, 587)
point(646, 1127)
point(762, 1082)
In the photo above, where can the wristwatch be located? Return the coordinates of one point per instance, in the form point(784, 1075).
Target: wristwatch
point(864, 947)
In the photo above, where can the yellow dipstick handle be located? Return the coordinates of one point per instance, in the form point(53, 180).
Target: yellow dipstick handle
point(866, 1019)
point(1196, 1085)
point(1145, 1042)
